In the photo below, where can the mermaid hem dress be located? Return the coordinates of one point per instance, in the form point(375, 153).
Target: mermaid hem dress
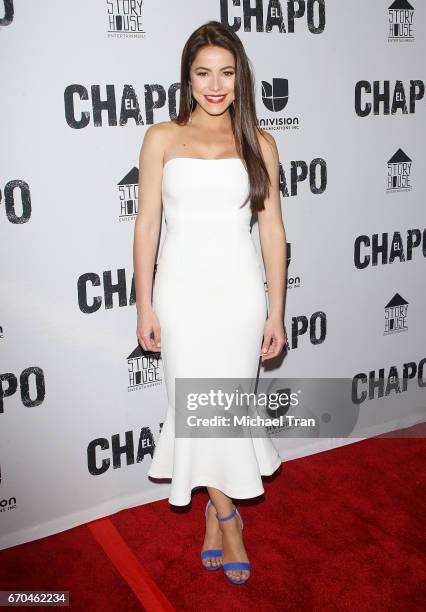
point(209, 297)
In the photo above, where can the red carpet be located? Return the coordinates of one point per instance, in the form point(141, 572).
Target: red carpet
point(339, 530)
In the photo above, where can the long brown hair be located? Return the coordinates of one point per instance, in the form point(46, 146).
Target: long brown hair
point(242, 112)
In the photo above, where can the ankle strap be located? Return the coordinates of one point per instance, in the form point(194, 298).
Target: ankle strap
point(226, 518)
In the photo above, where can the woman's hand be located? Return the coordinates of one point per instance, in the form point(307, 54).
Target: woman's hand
point(148, 324)
point(274, 338)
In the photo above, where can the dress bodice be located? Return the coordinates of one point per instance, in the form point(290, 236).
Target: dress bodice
point(200, 194)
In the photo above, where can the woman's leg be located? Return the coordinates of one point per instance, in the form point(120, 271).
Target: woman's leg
point(213, 537)
point(230, 531)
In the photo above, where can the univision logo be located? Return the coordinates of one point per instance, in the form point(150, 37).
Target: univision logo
point(399, 172)
point(396, 315)
point(8, 504)
point(143, 369)
point(275, 99)
point(281, 411)
point(275, 95)
point(125, 19)
point(293, 282)
point(128, 195)
point(401, 15)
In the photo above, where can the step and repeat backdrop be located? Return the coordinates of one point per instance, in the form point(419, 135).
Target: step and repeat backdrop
point(340, 84)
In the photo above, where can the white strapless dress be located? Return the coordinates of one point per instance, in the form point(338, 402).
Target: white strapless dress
point(209, 297)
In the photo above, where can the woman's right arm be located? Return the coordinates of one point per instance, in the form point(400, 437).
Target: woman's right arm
point(146, 234)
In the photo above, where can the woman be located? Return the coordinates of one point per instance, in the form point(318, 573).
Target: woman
point(211, 169)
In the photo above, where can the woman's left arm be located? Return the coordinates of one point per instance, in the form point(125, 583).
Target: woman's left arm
point(274, 252)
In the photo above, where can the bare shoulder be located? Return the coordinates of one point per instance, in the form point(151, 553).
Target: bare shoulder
point(156, 140)
point(157, 134)
point(162, 128)
point(268, 146)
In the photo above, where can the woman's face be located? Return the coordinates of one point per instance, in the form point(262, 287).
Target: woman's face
point(212, 76)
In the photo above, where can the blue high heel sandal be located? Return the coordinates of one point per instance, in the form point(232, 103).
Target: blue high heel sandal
point(235, 565)
point(212, 552)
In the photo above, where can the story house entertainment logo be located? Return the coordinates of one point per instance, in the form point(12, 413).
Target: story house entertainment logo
point(401, 16)
point(125, 19)
point(399, 173)
point(396, 315)
point(128, 195)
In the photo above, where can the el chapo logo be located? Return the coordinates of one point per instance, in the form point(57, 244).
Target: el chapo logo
point(10, 191)
point(8, 13)
point(268, 16)
point(135, 447)
point(107, 109)
point(384, 98)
